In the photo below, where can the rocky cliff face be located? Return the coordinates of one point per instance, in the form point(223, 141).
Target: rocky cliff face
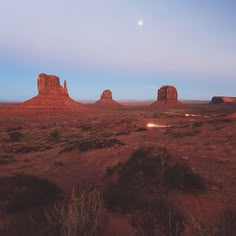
point(167, 96)
point(106, 100)
point(50, 85)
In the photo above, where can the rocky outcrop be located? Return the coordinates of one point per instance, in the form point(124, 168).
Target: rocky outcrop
point(106, 100)
point(50, 84)
point(167, 96)
point(52, 98)
point(223, 99)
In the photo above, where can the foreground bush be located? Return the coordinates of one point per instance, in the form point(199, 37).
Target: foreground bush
point(83, 215)
point(22, 192)
point(181, 176)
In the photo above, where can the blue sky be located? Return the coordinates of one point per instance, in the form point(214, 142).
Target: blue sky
point(97, 45)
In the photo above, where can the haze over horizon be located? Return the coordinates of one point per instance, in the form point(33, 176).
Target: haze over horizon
point(98, 45)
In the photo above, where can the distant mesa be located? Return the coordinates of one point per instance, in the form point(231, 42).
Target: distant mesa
point(51, 98)
point(223, 100)
point(106, 100)
point(167, 96)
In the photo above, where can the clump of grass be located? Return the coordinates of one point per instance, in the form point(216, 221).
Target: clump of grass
point(15, 136)
point(28, 149)
point(123, 133)
point(181, 133)
point(59, 163)
point(160, 218)
point(5, 159)
point(98, 144)
point(14, 129)
point(141, 129)
point(86, 128)
point(54, 136)
point(181, 176)
point(223, 225)
point(22, 192)
point(84, 214)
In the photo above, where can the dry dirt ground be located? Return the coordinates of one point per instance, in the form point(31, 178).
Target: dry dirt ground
point(48, 147)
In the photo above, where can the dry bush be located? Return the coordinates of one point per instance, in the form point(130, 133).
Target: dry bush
point(84, 215)
point(98, 143)
point(160, 218)
point(177, 133)
point(22, 192)
point(181, 176)
point(15, 136)
point(5, 159)
point(54, 136)
point(87, 145)
point(27, 149)
point(145, 167)
point(224, 225)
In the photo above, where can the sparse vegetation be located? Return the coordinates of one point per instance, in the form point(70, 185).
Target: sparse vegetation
point(5, 159)
point(181, 176)
point(160, 218)
point(180, 133)
point(54, 136)
point(85, 146)
point(84, 215)
point(110, 170)
point(22, 192)
point(15, 136)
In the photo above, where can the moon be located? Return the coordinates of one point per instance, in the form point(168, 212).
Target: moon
point(140, 23)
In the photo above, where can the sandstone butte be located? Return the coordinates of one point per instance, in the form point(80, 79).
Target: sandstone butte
point(167, 96)
point(106, 100)
point(223, 100)
point(51, 98)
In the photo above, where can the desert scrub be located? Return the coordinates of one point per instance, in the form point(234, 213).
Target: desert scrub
point(5, 159)
point(161, 217)
point(87, 145)
point(181, 176)
point(22, 192)
point(54, 136)
point(110, 169)
point(83, 215)
point(15, 136)
point(180, 133)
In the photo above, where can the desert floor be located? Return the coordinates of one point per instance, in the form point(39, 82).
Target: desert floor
point(62, 148)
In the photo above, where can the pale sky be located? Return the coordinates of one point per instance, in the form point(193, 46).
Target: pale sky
point(97, 45)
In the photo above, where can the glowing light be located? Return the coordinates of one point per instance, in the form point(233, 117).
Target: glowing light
point(151, 125)
point(140, 23)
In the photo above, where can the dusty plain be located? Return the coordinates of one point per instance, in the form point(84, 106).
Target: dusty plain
point(76, 150)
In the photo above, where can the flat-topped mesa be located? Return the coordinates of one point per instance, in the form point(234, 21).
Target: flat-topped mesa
point(167, 95)
point(106, 100)
point(50, 85)
point(223, 100)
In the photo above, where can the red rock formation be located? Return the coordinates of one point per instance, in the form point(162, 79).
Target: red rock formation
point(50, 84)
point(52, 98)
point(223, 99)
point(167, 96)
point(106, 100)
